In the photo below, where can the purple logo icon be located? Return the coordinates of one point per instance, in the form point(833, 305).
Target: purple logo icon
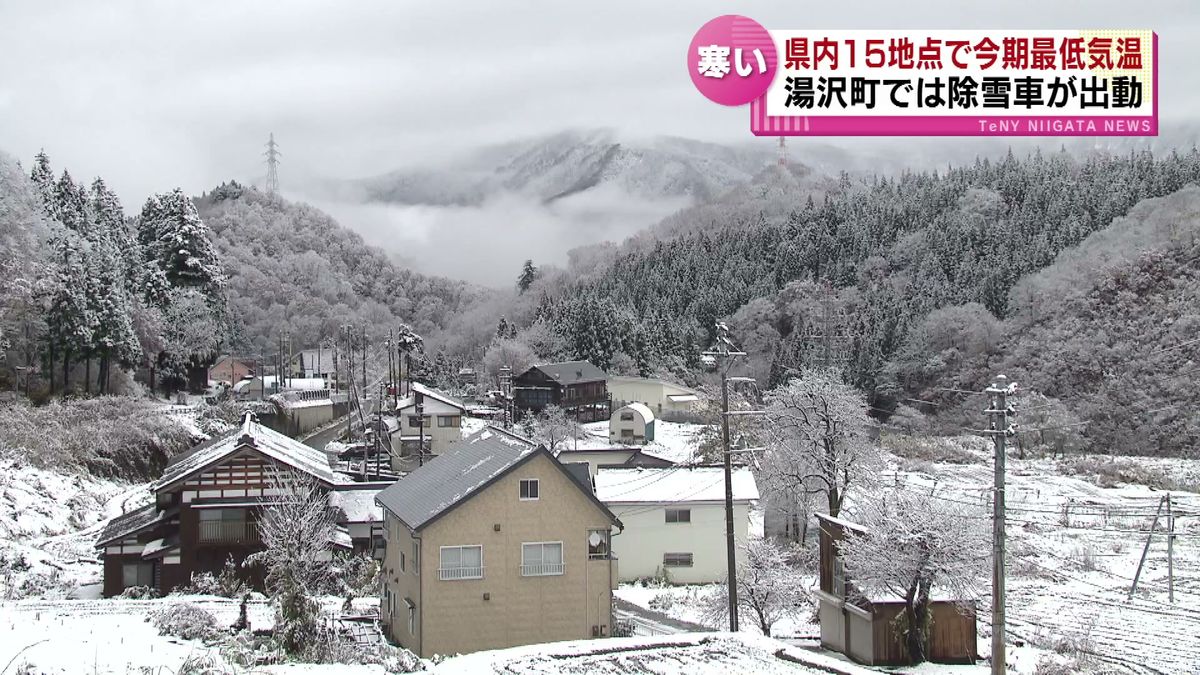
point(732, 60)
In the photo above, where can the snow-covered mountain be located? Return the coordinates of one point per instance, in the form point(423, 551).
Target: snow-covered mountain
point(572, 162)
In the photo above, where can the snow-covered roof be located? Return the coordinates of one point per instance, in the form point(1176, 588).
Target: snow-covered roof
point(571, 372)
point(466, 467)
point(408, 401)
point(358, 504)
point(254, 436)
point(133, 522)
point(651, 485)
point(289, 383)
point(640, 408)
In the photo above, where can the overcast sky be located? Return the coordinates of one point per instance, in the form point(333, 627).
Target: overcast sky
point(156, 94)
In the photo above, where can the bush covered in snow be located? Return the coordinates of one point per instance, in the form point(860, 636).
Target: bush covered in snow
point(1110, 472)
point(186, 621)
point(227, 584)
point(115, 436)
point(330, 646)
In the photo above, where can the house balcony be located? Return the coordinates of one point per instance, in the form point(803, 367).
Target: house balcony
point(229, 533)
point(455, 573)
point(543, 570)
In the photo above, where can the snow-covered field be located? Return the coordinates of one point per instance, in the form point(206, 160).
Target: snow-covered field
point(1073, 550)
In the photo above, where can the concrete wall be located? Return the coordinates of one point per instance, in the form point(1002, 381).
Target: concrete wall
point(648, 536)
point(653, 394)
point(596, 459)
point(504, 608)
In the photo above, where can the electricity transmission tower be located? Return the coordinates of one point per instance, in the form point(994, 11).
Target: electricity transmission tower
point(831, 339)
point(273, 156)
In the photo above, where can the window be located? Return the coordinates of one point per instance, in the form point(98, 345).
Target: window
point(225, 526)
point(461, 562)
point(529, 489)
point(597, 544)
point(839, 577)
point(412, 616)
point(677, 560)
point(416, 557)
point(679, 515)
point(626, 417)
point(415, 420)
point(401, 561)
point(627, 433)
point(137, 574)
point(541, 559)
point(449, 421)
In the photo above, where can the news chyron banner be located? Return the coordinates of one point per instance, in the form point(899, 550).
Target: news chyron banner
point(932, 82)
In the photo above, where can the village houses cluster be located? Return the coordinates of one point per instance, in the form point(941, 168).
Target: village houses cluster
point(487, 538)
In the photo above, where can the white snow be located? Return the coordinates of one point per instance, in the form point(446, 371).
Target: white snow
point(676, 484)
point(673, 441)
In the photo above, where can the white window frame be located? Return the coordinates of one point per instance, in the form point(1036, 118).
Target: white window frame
point(460, 573)
point(537, 488)
point(544, 569)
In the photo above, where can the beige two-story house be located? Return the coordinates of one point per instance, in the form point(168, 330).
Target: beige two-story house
point(495, 544)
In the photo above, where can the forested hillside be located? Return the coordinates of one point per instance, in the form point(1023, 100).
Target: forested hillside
point(293, 269)
point(891, 250)
point(89, 294)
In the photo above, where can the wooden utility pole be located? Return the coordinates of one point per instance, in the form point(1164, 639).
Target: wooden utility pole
point(1146, 549)
point(1170, 551)
point(999, 429)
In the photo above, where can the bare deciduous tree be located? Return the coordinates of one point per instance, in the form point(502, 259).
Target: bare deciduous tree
point(769, 588)
point(296, 527)
point(913, 544)
point(817, 426)
point(553, 426)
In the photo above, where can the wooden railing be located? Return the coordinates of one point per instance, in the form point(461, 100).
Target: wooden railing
point(228, 532)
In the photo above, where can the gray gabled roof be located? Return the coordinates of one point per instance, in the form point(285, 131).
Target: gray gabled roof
point(255, 436)
point(466, 468)
point(572, 372)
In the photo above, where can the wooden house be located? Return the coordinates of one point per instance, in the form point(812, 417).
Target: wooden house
point(577, 387)
point(207, 505)
point(866, 629)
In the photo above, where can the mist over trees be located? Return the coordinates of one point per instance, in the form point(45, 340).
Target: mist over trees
point(882, 255)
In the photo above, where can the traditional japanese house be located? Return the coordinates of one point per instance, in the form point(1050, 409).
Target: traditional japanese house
point(206, 507)
point(577, 387)
point(866, 629)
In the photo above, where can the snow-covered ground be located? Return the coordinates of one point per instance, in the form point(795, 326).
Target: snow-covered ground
point(690, 653)
point(673, 441)
point(688, 602)
point(1073, 550)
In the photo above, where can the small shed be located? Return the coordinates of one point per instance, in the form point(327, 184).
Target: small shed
point(866, 629)
point(632, 424)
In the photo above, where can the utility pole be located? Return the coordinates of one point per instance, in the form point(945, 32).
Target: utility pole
point(420, 400)
point(724, 349)
point(1153, 526)
point(999, 411)
point(1170, 551)
point(273, 156)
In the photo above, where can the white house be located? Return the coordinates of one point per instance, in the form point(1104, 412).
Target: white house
point(440, 421)
point(314, 363)
point(631, 424)
point(658, 395)
point(675, 519)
